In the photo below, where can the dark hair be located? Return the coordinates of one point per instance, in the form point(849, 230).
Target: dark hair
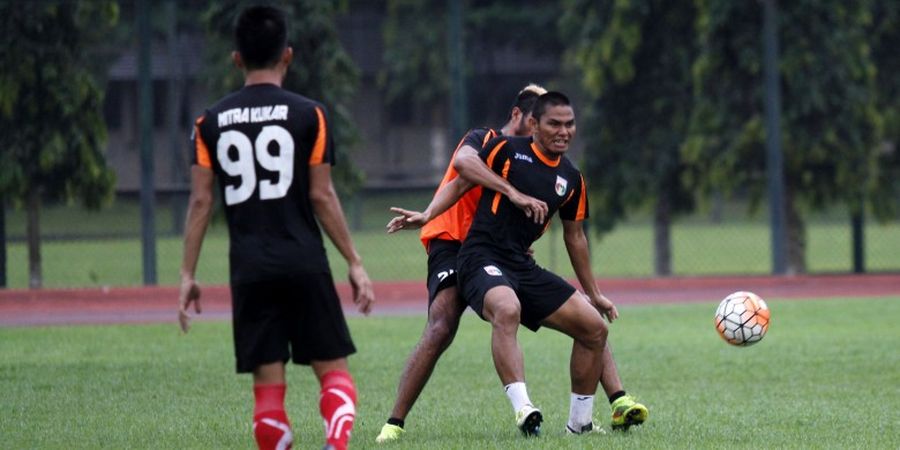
point(260, 34)
point(548, 100)
point(526, 98)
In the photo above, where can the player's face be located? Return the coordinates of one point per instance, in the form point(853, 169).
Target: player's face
point(556, 129)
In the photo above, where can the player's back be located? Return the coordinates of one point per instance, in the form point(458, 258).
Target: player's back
point(260, 142)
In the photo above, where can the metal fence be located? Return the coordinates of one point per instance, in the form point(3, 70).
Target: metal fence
point(83, 249)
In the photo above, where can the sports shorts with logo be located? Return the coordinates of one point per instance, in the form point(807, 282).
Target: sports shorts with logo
point(540, 291)
point(296, 317)
point(441, 266)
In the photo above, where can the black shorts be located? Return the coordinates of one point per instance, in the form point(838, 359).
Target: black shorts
point(441, 266)
point(298, 317)
point(540, 291)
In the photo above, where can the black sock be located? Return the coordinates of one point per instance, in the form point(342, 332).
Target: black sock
point(395, 421)
point(616, 395)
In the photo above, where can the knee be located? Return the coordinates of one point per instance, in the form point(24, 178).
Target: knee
point(442, 329)
point(506, 315)
point(596, 334)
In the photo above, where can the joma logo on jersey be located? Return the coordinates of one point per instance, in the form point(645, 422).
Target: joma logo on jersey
point(561, 186)
point(493, 271)
point(524, 157)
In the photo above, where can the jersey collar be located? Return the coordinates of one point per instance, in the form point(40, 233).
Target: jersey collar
point(544, 159)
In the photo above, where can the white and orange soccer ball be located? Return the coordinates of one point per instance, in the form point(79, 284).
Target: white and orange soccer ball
point(742, 318)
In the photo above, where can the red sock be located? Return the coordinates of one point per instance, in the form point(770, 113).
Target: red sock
point(271, 426)
point(337, 404)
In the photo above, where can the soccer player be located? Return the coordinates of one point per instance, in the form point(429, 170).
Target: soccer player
point(504, 285)
point(272, 152)
point(441, 238)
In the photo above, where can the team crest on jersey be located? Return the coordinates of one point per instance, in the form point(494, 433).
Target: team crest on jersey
point(561, 186)
point(493, 271)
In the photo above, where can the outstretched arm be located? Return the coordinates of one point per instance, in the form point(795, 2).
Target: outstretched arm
point(579, 256)
point(198, 214)
point(443, 199)
point(473, 169)
point(327, 208)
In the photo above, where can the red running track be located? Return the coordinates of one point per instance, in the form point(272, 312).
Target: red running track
point(19, 307)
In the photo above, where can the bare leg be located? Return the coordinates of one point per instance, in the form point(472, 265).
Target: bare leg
point(584, 324)
point(443, 321)
point(271, 373)
point(322, 367)
point(503, 310)
point(609, 377)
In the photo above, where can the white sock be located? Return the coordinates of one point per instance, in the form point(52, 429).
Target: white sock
point(581, 410)
point(517, 394)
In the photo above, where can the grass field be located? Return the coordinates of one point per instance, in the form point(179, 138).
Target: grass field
point(697, 250)
point(737, 244)
point(826, 376)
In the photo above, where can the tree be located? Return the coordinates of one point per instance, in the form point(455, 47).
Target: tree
point(885, 37)
point(829, 120)
point(322, 69)
point(416, 72)
point(634, 59)
point(51, 109)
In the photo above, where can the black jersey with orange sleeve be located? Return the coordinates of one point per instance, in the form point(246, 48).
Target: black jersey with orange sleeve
point(500, 226)
point(261, 142)
point(453, 224)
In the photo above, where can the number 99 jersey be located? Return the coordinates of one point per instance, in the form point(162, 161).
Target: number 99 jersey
point(261, 142)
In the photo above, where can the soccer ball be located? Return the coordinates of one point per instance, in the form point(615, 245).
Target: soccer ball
point(742, 318)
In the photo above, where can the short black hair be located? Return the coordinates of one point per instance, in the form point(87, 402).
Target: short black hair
point(260, 34)
point(547, 101)
point(526, 98)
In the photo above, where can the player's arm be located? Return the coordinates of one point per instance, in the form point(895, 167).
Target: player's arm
point(471, 167)
point(443, 199)
point(580, 257)
point(327, 208)
point(200, 208)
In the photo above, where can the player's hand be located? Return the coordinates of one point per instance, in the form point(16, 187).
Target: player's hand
point(534, 208)
point(363, 293)
point(407, 220)
point(605, 306)
point(189, 294)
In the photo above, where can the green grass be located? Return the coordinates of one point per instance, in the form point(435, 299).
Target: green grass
point(825, 377)
point(627, 252)
point(737, 245)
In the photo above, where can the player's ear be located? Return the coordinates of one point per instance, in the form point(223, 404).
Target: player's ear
point(515, 114)
point(237, 60)
point(532, 122)
point(287, 56)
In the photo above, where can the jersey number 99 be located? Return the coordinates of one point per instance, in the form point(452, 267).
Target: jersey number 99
point(248, 154)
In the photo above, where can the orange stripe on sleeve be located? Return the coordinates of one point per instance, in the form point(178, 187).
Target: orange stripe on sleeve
point(318, 151)
point(582, 201)
point(200, 146)
point(488, 136)
point(490, 158)
point(497, 195)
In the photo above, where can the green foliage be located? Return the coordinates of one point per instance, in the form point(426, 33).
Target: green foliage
point(416, 71)
point(830, 121)
point(821, 378)
point(50, 105)
point(885, 37)
point(415, 59)
point(321, 69)
point(634, 59)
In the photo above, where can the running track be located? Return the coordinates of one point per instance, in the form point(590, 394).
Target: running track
point(19, 307)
